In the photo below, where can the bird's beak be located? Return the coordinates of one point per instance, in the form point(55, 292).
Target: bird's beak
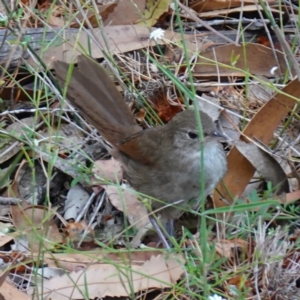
point(219, 134)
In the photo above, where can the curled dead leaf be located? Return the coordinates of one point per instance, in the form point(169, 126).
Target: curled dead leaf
point(266, 165)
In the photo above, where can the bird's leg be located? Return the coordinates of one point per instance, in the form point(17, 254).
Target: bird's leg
point(170, 227)
point(159, 232)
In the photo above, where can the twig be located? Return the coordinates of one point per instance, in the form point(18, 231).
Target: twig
point(10, 201)
point(194, 17)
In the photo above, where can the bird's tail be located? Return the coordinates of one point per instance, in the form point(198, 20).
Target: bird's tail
point(95, 95)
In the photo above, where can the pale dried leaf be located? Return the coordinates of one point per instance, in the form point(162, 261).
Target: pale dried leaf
point(119, 39)
point(5, 239)
point(126, 201)
point(67, 136)
point(229, 248)
point(10, 146)
point(10, 292)
point(210, 14)
point(107, 170)
point(115, 281)
point(211, 5)
point(268, 118)
point(76, 261)
point(76, 199)
point(211, 109)
point(254, 58)
point(126, 13)
point(90, 14)
point(267, 166)
point(229, 124)
point(45, 229)
point(259, 92)
point(153, 11)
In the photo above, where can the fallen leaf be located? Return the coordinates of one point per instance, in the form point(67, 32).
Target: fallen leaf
point(9, 145)
point(77, 230)
point(229, 124)
point(45, 232)
point(126, 201)
point(246, 8)
point(154, 9)
point(229, 248)
point(66, 137)
point(211, 5)
point(261, 127)
point(205, 103)
point(76, 199)
point(5, 239)
point(259, 92)
point(118, 39)
point(90, 14)
point(10, 292)
point(107, 170)
point(77, 261)
point(163, 106)
point(126, 13)
point(115, 281)
point(266, 165)
point(231, 60)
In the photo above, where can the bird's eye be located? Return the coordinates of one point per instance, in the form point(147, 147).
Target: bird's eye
point(192, 135)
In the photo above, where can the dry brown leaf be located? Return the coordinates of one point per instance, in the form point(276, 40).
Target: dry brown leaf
point(21, 94)
point(154, 10)
point(164, 107)
point(119, 39)
point(23, 186)
point(289, 197)
point(115, 281)
point(56, 21)
point(93, 18)
point(211, 5)
point(229, 248)
point(27, 217)
point(76, 231)
point(59, 17)
point(217, 13)
point(13, 190)
point(261, 127)
point(75, 261)
point(259, 61)
point(126, 12)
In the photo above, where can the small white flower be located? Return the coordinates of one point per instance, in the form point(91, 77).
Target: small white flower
point(273, 70)
point(157, 34)
point(36, 142)
point(154, 68)
point(215, 297)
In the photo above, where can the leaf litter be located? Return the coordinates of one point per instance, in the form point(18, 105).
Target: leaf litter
point(219, 72)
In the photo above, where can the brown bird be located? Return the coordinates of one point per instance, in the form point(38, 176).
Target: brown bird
point(164, 162)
